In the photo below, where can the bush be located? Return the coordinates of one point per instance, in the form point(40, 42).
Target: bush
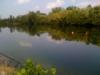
point(30, 69)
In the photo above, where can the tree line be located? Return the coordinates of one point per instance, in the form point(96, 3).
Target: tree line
point(61, 17)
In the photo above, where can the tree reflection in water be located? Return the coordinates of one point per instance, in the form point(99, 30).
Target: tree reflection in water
point(70, 33)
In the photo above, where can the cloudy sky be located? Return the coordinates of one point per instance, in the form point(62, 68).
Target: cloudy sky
point(19, 7)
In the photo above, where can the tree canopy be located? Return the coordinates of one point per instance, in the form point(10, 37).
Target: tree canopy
point(72, 15)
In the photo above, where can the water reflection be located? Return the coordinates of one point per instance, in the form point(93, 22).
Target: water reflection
point(81, 34)
point(74, 50)
point(25, 44)
point(50, 39)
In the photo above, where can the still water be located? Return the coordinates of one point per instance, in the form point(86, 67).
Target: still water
point(76, 54)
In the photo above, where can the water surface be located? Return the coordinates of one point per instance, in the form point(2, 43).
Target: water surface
point(73, 51)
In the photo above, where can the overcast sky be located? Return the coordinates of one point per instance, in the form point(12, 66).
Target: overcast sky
point(19, 7)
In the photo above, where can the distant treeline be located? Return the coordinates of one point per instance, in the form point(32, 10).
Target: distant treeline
point(62, 17)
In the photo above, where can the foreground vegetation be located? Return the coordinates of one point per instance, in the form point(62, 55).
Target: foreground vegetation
point(30, 69)
point(61, 17)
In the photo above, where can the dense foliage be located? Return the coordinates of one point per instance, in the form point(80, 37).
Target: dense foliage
point(61, 17)
point(30, 69)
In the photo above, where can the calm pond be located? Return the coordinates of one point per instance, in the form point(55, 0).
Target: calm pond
point(74, 50)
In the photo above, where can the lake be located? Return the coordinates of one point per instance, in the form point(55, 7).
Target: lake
point(74, 50)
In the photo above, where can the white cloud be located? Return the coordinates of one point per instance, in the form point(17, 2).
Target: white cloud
point(36, 8)
point(25, 44)
point(57, 3)
point(83, 4)
point(50, 39)
point(97, 2)
point(23, 1)
point(88, 2)
point(73, 1)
